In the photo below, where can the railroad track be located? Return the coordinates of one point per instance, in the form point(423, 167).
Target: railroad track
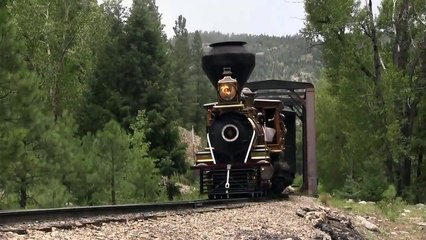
point(54, 214)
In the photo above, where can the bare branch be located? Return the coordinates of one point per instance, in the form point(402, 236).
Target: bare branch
point(381, 62)
point(374, 40)
point(312, 45)
point(366, 30)
point(5, 95)
point(13, 120)
point(67, 45)
point(363, 68)
point(393, 16)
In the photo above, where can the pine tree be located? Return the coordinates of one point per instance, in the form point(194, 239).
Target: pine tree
point(103, 100)
point(183, 82)
point(204, 91)
point(22, 119)
point(112, 145)
point(134, 76)
point(63, 147)
point(142, 175)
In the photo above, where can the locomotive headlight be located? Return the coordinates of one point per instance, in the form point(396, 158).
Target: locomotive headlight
point(227, 91)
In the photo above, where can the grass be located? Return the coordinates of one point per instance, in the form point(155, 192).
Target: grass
point(355, 207)
point(391, 210)
point(395, 218)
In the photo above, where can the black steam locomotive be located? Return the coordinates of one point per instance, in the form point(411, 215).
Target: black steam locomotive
point(245, 135)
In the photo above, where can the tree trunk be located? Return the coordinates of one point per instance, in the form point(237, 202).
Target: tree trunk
point(406, 172)
point(113, 201)
point(113, 189)
point(402, 38)
point(390, 170)
point(23, 193)
point(54, 95)
point(400, 58)
point(407, 132)
point(393, 177)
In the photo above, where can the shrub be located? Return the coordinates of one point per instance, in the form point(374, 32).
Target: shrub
point(391, 209)
point(389, 194)
point(49, 195)
point(325, 198)
point(351, 189)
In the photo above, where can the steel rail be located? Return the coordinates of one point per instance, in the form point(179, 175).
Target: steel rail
point(32, 215)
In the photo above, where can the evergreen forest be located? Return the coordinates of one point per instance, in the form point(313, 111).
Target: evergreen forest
point(93, 97)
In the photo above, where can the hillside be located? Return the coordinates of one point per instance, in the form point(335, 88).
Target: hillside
point(286, 58)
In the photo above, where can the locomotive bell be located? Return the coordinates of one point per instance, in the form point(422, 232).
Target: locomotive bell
point(228, 59)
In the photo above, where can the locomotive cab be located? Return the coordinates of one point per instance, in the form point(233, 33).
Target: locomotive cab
point(273, 122)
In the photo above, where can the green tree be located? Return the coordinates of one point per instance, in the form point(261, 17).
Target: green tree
point(63, 147)
point(373, 69)
point(183, 83)
point(137, 77)
point(89, 187)
point(112, 145)
point(99, 175)
point(61, 39)
point(103, 100)
point(22, 119)
point(205, 92)
point(50, 194)
point(142, 175)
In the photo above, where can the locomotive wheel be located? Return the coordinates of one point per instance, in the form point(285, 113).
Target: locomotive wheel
point(283, 176)
point(280, 181)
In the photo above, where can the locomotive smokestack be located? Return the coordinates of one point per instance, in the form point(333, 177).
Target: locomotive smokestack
point(228, 58)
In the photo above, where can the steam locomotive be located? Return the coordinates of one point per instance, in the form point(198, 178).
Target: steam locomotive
point(245, 152)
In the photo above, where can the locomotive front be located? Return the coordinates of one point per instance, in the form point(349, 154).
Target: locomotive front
point(237, 160)
point(230, 132)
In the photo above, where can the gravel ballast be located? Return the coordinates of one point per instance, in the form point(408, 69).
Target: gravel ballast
point(267, 220)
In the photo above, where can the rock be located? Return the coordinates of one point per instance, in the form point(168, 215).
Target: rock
point(371, 226)
point(290, 189)
point(407, 211)
point(420, 205)
point(186, 137)
point(184, 189)
point(423, 224)
point(350, 200)
point(362, 202)
point(300, 213)
point(403, 214)
point(367, 224)
point(371, 203)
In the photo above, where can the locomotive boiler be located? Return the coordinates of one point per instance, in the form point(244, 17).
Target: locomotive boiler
point(245, 152)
